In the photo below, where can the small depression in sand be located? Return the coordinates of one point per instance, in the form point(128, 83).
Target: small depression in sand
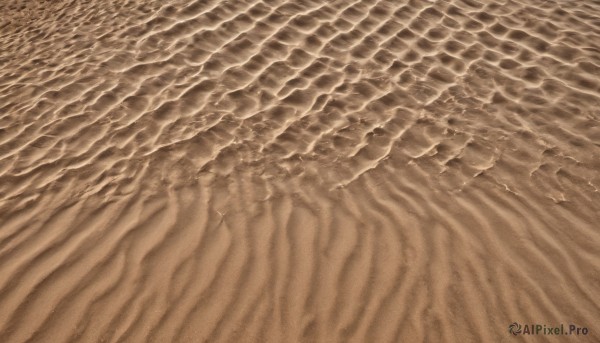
point(298, 170)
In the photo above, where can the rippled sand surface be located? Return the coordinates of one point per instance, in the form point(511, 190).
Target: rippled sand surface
point(298, 170)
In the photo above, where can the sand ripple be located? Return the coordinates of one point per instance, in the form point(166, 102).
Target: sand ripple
point(298, 171)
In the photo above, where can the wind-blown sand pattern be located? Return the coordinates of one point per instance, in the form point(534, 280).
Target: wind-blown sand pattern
point(298, 170)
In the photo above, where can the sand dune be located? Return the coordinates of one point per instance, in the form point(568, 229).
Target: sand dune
point(298, 170)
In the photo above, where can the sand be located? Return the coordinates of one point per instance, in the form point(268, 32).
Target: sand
point(298, 170)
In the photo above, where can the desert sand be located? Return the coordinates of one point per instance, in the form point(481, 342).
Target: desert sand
point(298, 170)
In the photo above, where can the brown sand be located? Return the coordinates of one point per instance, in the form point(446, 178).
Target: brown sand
point(298, 170)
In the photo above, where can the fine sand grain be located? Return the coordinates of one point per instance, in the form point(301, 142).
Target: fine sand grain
point(298, 170)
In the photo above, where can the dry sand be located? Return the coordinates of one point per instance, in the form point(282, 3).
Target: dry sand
point(298, 170)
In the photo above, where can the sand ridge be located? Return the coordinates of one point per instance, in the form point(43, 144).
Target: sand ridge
point(298, 171)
